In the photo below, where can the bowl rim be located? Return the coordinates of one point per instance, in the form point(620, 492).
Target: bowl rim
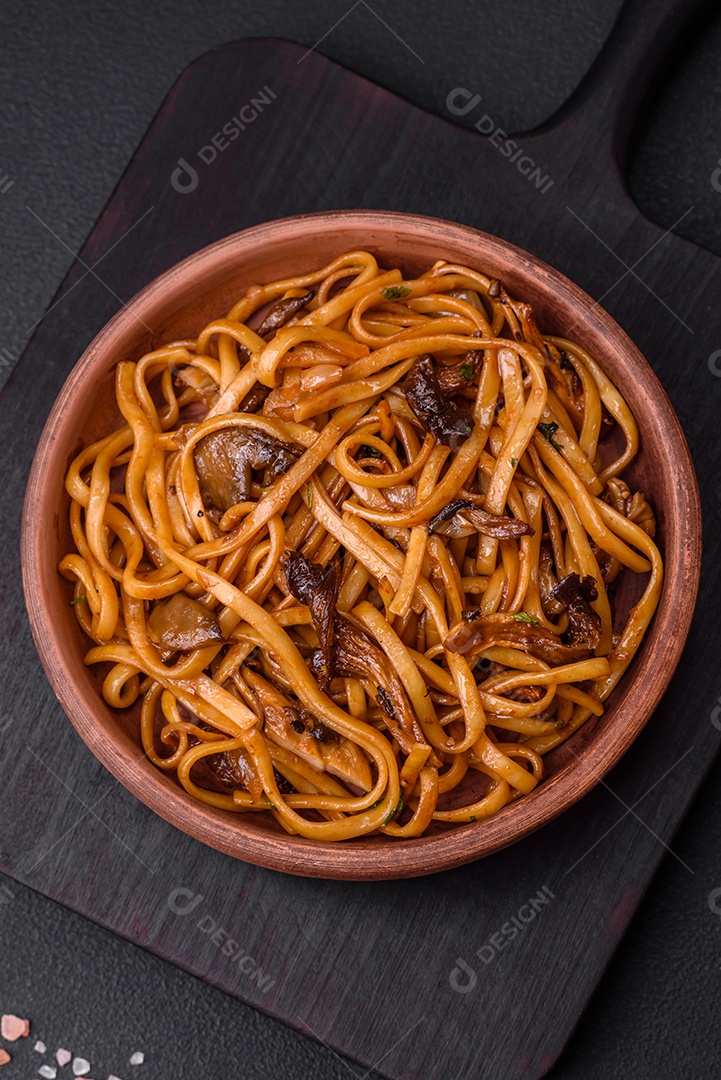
point(355, 860)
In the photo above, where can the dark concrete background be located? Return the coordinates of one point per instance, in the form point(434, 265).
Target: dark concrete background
point(78, 87)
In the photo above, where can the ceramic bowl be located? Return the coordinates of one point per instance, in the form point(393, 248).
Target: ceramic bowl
point(177, 305)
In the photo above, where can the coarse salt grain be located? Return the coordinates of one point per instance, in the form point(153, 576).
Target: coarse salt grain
point(48, 1071)
point(13, 1027)
point(137, 1058)
point(40, 1047)
point(62, 1056)
point(80, 1066)
point(4, 1057)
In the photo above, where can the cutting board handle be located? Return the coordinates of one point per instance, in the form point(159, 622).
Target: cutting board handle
point(644, 38)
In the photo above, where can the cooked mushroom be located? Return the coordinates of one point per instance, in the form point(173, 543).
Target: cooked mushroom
point(437, 413)
point(635, 507)
point(254, 399)
point(452, 378)
point(547, 582)
point(318, 590)
point(282, 310)
point(584, 624)
point(183, 623)
point(234, 769)
point(477, 632)
point(347, 650)
point(225, 459)
point(462, 518)
point(290, 726)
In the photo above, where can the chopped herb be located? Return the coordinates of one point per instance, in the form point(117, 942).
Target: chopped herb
point(560, 725)
point(473, 818)
point(78, 599)
point(270, 801)
point(514, 461)
point(548, 431)
point(467, 371)
point(523, 616)
point(397, 810)
point(395, 292)
point(370, 451)
point(310, 495)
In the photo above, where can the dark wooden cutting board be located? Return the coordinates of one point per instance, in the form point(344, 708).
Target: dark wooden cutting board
point(458, 974)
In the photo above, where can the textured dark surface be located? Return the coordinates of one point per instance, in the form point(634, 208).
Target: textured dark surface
point(654, 1014)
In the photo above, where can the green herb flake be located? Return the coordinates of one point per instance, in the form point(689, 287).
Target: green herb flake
point(370, 451)
point(310, 495)
point(514, 461)
point(270, 801)
point(395, 292)
point(560, 725)
point(548, 431)
point(78, 599)
point(467, 371)
point(523, 616)
point(395, 812)
point(473, 818)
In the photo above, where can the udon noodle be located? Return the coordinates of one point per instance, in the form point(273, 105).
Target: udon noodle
point(356, 548)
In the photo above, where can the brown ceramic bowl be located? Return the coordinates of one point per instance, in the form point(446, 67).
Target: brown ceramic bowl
point(178, 304)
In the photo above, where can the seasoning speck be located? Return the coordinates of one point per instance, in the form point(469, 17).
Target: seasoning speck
point(48, 1071)
point(63, 1057)
point(40, 1047)
point(13, 1027)
point(137, 1058)
point(4, 1057)
point(81, 1066)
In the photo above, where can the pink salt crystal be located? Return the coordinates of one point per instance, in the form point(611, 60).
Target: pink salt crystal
point(13, 1027)
point(4, 1057)
point(63, 1056)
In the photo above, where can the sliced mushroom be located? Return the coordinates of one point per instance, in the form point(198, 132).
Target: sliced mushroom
point(477, 632)
point(462, 518)
point(452, 378)
point(635, 507)
point(318, 590)
point(225, 459)
point(182, 623)
point(347, 650)
point(291, 727)
point(584, 624)
point(547, 582)
point(438, 414)
point(282, 310)
point(234, 769)
point(254, 399)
